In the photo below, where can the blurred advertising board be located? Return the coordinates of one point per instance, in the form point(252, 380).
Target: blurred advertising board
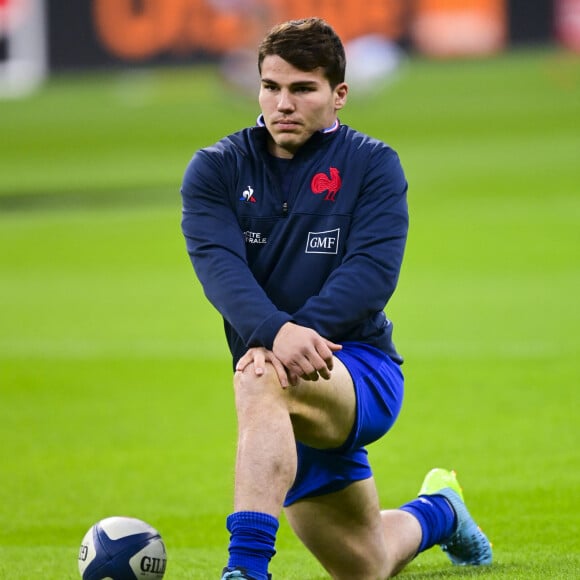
point(134, 31)
point(23, 46)
point(451, 28)
point(36, 35)
point(105, 32)
point(567, 23)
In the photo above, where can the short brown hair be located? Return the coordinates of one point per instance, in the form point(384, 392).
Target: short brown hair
point(306, 44)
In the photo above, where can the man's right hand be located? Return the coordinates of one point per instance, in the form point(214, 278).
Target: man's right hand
point(304, 352)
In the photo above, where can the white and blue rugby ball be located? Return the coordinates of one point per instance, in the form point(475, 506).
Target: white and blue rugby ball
point(121, 548)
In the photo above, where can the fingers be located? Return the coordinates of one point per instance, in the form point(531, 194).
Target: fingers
point(325, 350)
point(281, 372)
point(311, 364)
point(299, 353)
point(246, 360)
point(333, 347)
point(304, 352)
point(259, 357)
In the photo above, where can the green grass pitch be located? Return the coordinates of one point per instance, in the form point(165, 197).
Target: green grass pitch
point(115, 394)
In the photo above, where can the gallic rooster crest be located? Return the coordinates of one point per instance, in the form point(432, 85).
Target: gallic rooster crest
point(321, 183)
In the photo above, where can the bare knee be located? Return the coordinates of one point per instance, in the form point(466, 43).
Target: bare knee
point(254, 391)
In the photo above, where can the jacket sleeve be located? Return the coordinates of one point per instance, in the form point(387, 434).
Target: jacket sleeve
point(365, 280)
point(216, 246)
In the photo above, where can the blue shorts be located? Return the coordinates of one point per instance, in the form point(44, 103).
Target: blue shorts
point(378, 385)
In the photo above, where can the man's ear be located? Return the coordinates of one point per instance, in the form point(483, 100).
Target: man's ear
point(340, 95)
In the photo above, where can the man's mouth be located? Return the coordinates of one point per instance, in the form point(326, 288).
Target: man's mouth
point(286, 124)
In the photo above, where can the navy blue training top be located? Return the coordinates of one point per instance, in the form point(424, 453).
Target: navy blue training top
point(324, 251)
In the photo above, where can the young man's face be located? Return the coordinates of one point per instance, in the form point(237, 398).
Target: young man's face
point(296, 104)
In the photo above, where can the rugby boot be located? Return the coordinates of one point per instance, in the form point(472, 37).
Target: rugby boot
point(467, 545)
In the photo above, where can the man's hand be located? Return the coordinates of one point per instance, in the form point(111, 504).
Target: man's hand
point(259, 356)
point(304, 352)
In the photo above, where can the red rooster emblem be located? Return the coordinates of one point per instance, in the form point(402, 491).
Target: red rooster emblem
point(321, 183)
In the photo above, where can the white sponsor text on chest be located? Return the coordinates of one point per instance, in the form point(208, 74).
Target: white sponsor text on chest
point(323, 242)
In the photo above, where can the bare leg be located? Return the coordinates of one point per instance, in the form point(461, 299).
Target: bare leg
point(266, 456)
point(403, 536)
point(351, 537)
point(270, 419)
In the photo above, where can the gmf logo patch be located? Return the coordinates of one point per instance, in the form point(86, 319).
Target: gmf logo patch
point(323, 242)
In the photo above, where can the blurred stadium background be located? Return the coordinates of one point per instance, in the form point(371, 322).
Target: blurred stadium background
point(114, 374)
point(142, 48)
point(41, 37)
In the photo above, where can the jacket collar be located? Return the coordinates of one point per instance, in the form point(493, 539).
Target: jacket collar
point(334, 127)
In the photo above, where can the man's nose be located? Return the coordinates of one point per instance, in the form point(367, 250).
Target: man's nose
point(285, 102)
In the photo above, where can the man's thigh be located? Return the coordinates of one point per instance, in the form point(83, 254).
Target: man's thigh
point(323, 411)
point(327, 466)
point(343, 530)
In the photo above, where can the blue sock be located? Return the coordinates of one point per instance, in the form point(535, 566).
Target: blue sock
point(252, 539)
point(436, 517)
